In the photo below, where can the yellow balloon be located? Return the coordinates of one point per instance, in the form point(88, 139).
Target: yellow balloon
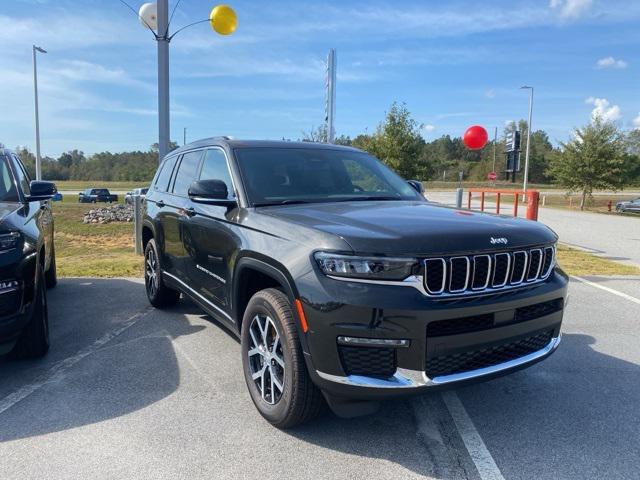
point(223, 19)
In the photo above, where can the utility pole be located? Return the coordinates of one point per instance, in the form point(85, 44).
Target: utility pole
point(331, 95)
point(526, 157)
point(35, 91)
point(163, 79)
point(184, 136)
point(495, 145)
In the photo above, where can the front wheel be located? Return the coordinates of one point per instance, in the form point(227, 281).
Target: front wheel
point(273, 362)
point(51, 276)
point(159, 295)
point(34, 341)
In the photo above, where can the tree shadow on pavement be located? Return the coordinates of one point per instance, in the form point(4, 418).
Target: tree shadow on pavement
point(131, 371)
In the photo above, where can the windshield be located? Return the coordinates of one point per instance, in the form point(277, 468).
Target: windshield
point(275, 176)
point(8, 192)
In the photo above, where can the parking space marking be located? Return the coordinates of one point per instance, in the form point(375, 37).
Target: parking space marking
point(482, 459)
point(57, 371)
point(607, 289)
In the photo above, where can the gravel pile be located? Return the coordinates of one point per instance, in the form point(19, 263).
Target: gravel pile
point(113, 213)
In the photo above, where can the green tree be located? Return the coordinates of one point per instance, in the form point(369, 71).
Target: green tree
point(594, 159)
point(397, 142)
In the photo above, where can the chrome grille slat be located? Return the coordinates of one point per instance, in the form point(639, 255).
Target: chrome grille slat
point(487, 272)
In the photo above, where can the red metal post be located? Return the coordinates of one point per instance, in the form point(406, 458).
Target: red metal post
point(515, 204)
point(482, 201)
point(498, 204)
point(469, 202)
point(533, 198)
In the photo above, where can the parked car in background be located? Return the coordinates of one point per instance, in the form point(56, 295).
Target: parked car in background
point(629, 206)
point(94, 195)
point(27, 259)
point(342, 282)
point(128, 198)
point(57, 197)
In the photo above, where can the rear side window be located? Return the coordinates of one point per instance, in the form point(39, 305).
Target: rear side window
point(214, 167)
point(162, 178)
point(187, 172)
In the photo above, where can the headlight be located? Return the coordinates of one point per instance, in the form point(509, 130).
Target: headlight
point(377, 268)
point(9, 240)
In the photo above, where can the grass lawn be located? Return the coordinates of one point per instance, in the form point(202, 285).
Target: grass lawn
point(79, 185)
point(577, 262)
point(92, 250)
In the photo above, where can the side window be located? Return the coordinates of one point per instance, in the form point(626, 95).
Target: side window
point(8, 191)
point(21, 175)
point(162, 178)
point(187, 172)
point(215, 167)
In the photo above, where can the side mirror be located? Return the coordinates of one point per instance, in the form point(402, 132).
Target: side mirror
point(417, 186)
point(213, 192)
point(41, 190)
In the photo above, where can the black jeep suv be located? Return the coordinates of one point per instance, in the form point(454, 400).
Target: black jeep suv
point(340, 279)
point(27, 259)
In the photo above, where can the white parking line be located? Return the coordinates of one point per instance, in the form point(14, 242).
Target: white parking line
point(484, 462)
point(607, 289)
point(58, 369)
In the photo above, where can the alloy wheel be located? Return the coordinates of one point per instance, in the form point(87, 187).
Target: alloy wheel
point(266, 359)
point(151, 273)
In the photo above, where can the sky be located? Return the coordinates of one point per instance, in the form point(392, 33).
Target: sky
point(454, 63)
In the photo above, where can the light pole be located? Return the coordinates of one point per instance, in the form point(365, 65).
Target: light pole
point(331, 95)
point(35, 92)
point(526, 156)
point(155, 17)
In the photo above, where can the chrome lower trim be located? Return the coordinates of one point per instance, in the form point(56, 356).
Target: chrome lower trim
point(218, 309)
point(404, 378)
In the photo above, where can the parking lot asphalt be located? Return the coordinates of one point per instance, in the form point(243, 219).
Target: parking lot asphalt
point(616, 237)
point(132, 392)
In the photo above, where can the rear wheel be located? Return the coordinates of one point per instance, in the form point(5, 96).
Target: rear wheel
point(273, 362)
point(159, 295)
point(34, 341)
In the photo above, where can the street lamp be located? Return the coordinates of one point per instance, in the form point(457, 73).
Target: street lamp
point(526, 156)
point(35, 90)
point(155, 17)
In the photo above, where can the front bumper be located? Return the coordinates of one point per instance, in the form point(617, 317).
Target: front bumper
point(429, 361)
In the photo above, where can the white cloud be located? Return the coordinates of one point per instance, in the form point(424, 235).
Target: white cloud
point(610, 62)
point(636, 122)
point(429, 128)
point(491, 93)
point(571, 9)
point(603, 109)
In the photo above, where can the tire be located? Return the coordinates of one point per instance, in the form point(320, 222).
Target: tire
point(51, 276)
point(159, 295)
point(299, 400)
point(34, 342)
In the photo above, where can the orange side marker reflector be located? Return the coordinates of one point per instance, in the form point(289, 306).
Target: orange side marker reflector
point(303, 319)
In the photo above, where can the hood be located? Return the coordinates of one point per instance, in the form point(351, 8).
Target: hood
point(414, 228)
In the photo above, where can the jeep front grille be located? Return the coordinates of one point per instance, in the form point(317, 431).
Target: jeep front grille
point(483, 273)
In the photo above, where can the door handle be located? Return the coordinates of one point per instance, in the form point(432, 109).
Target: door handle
point(160, 203)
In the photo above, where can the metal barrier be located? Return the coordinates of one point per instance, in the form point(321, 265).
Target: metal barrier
point(533, 198)
point(137, 223)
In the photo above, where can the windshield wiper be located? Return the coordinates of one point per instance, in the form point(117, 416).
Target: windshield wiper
point(283, 202)
point(369, 198)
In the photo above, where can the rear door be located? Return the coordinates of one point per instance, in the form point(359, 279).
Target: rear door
point(210, 239)
point(176, 214)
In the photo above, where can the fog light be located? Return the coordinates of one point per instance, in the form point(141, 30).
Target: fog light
point(372, 342)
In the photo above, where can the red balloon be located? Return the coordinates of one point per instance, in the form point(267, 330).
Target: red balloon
point(475, 138)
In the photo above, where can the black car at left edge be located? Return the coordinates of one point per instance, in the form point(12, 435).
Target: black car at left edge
point(27, 259)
